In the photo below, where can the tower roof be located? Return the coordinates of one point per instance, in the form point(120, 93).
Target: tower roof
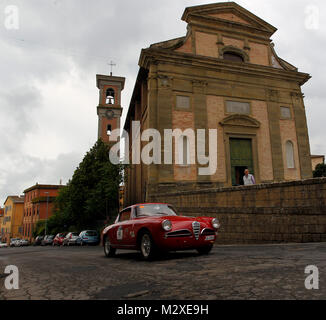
point(105, 78)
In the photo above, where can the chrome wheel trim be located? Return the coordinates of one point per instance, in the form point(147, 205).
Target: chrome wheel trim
point(107, 246)
point(146, 245)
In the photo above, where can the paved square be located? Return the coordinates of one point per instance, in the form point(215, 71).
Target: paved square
point(229, 272)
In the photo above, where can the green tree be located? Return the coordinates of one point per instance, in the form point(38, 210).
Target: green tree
point(91, 197)
point(320, 170)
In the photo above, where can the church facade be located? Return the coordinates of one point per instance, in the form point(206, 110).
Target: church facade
point(224, 74)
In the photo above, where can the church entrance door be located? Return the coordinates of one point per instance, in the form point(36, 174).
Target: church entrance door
point(241, 159)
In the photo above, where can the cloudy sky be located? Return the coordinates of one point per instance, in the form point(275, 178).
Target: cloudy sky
point(48, 94)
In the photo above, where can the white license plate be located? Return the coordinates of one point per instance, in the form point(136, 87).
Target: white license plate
point(209, 237)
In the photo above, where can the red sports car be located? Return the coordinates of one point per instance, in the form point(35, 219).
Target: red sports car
point(57, 241)
point(151, 227)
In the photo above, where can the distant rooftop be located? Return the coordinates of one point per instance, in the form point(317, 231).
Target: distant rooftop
point(16, 199)
point(44, 186)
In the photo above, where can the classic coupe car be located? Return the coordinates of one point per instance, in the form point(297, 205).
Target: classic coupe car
point(153, 227)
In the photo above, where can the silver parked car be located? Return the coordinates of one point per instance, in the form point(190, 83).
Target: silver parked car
point(14, 242)
point(24, 243)
point(72, 238)
point(3, 245)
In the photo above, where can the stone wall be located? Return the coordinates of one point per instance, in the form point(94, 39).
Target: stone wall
point(267, 213)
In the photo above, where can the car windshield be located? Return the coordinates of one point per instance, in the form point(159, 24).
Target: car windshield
point(91, 233)
point(50, 237)
point(154, 210)
point(74, 234)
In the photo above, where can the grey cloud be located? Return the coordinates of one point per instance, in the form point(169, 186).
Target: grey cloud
point(24, 171)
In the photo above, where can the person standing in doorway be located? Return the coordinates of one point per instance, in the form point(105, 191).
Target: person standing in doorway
point(248, 178)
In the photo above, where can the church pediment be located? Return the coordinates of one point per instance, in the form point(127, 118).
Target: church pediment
point(240, 120)
point(227, 12)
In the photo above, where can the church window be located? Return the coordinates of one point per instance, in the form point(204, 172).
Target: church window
point(289, 150)
point(183, 102)
point(184, 151)
point(109, 130)
point(232, 56)
point(237, 107)
point(285, 113)
point(109, 96)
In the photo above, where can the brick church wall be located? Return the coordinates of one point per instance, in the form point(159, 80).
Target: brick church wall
point(267, 213)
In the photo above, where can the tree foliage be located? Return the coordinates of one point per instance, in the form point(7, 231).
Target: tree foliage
point(320, 170)
point(91, 197)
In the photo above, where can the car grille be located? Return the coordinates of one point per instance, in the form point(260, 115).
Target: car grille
point(179, 233)
point(196, 229)
point(207, 232)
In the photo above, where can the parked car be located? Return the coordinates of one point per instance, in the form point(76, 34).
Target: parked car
point(71, 239)
point(24, 243)
point(152, 227)
point(14, 242)
point(88, 237)
point(47, 241)
point(57, 241)
point(3, 245)
point(38, 240)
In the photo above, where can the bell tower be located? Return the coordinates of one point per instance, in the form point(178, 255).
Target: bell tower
point(109, 109)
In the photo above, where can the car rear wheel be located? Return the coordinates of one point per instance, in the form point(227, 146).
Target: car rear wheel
point(109, 251)
point(147, 246)
point(205, 250)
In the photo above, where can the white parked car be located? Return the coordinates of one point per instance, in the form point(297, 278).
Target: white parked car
point(3, 245)
point(72, 238)
point(14, 242)
point(24, 243)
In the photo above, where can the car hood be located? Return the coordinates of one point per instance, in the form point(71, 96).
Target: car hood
point(175, 218)
point(178, 222)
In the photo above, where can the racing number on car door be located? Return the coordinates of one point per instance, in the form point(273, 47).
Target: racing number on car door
point(122, 233)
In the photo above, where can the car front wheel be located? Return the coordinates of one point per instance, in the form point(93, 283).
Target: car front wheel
point(147, 246)
point(109, 251)
point(204, 250)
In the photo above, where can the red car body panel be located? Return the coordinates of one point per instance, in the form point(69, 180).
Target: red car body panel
point(58, 240)
point(124, 234)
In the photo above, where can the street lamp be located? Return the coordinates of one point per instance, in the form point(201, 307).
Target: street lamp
point(47, 209)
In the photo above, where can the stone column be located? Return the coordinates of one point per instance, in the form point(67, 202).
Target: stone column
point(152, 175)
point(275, 134)
point(302, 135)
point(164, 121)
point(200, 118)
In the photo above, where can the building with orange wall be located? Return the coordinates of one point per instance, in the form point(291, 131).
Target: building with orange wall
point(1, 220)
point(39, 202)
point(317, 159)
point(13, 218)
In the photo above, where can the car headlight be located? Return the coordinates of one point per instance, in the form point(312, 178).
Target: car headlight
point(215, 223)
point(167, 225)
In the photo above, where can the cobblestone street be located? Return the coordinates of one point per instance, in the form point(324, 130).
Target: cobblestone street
point(229, 272)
